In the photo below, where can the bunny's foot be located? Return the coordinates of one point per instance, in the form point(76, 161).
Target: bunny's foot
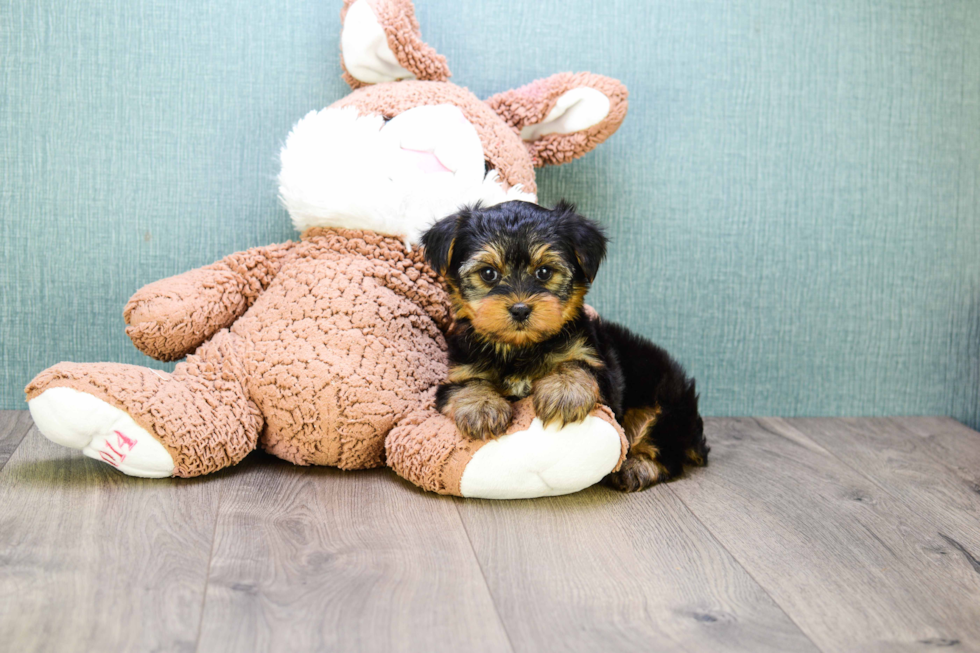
point(79, 420)
point(529, 460)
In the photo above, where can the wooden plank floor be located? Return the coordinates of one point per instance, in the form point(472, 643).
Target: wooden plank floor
point(801, 535)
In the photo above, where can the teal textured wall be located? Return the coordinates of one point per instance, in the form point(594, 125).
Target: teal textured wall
point(793, 199)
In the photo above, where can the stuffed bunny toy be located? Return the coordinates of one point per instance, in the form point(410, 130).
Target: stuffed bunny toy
point(327, 351)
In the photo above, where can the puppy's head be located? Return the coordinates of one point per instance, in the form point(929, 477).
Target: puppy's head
point(517, 271)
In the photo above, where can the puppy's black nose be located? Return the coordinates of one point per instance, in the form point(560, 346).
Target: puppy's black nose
point(520, 311)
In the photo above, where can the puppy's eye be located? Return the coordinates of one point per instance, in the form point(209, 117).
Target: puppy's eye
point(489, 275)
point(543, 273)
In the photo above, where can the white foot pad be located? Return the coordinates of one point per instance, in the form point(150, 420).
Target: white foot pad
point(542, 462)
point(80, 421)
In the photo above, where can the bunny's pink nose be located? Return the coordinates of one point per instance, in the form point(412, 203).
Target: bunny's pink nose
point(425, 161)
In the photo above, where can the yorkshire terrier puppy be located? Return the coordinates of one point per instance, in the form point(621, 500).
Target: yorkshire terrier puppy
point(517, 275)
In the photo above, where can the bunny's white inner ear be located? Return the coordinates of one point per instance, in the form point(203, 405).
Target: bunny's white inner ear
point(575, 110)
point(364, 44)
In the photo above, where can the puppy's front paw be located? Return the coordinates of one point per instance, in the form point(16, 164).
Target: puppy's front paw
point(565, 396)
point(479, 412)
point(483, 421)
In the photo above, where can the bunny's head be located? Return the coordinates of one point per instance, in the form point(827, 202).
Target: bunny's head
point(407, 147)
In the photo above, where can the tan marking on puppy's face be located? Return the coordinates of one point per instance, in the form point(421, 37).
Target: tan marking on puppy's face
point(489, 256)
point(460, 307)
point(574, 303)
point(490, 313)
point(492, 318)
point(544, 255)
point(516, 268)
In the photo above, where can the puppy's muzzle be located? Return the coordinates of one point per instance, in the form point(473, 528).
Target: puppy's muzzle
point(520, 312)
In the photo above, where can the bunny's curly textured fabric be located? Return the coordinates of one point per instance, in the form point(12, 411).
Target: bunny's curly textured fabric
point(341, 337)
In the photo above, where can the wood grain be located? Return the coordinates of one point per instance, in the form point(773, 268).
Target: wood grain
point(322, 559)
point(92, 560)
point(847, 535)
point(956, 445)
point(605, 571)
point(14, 425)
point(906, 466)
point(856, 568)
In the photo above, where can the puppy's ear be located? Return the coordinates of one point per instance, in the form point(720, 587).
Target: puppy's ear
point(438, 243)
point(585, 238)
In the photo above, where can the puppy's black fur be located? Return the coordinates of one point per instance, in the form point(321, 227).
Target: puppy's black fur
point(517, 275)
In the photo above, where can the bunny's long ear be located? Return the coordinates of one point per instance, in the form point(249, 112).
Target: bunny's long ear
point(381, 42)
point(562, 117)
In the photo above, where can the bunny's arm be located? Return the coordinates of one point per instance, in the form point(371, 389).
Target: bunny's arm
point(170, 318)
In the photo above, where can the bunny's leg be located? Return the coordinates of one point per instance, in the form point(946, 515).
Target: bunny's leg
point(148, 423)
point(528, 461)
